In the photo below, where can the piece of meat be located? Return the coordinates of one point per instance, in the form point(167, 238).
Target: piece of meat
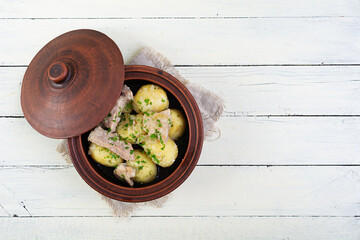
point(125, 172)
point(111, 141)
point(158, 124)
point(112, 120)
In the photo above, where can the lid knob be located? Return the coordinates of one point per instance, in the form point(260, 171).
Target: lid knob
point(58, 72)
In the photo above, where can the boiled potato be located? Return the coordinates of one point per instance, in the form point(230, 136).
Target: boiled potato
point(163, 154)
point(104, 156)
point(150, 98)
point(178, 124)
point(130, 127)
point(146, 169)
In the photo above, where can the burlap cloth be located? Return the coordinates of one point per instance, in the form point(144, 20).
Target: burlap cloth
point(210, 104)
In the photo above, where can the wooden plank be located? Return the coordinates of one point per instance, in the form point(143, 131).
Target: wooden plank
point(228, 41)
point(225, 191)
point(248, 90)
point(181, 228)
point(243, 141)
point(185, 8)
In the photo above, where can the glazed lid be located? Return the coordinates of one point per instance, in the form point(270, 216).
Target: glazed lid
point(72, 83)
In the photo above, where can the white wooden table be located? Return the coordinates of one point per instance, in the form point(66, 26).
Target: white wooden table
point(287, 165)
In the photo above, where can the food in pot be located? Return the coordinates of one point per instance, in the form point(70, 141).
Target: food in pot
point(158, 125)
point(177, 125)
point(112, 120)
point(125, 172)
point(154, 129)
point(163, 154)
point(145, 169)
point(113, 142)
point(150, 98)
point(104, 156)
point(130, 127)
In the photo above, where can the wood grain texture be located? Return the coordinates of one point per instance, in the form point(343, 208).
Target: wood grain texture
point(228, 41)
point(248, 90)
point(322, 201)
point(270, 228)
point(185, 8)
point(255, 191)
point(243, 141)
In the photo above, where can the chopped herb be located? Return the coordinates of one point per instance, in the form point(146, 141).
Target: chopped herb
point(137, 157)
point(141, 144)
point(129, 105)
point(141, 167)
point(147, 114)
point(159, 123)
point(163, 100)
point(155, 158)
point(113, 138)
point(163, 147)
point(126, 125)
point(139, 102)
point(143, 161)
point(122, 175)
point(150, 103)
point(109, 115)
point(147, 101)
point(131, 151)
point(133, 136)
point(109, 130)
point(138, 162)
point(126, 147)
point(153, 136)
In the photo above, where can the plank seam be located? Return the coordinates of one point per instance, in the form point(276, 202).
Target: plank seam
point(196, 216)
point(175, 17)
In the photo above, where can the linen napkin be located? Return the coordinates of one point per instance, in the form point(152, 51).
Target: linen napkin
point(211, 107)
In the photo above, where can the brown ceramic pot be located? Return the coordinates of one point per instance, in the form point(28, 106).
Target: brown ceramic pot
point(102, 179)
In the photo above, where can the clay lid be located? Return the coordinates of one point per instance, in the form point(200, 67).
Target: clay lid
point(72, 83)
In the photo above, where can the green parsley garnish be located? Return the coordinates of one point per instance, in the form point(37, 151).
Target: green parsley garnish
point(159, 123)
point(141, 167)
point(163, 100)
point(147, 101)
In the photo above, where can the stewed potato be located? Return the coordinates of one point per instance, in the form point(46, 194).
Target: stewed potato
point(150, 98)
point(161, 153)
point(130, 127)
point(178, 124)
point(146, 169)
point(104, 156)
